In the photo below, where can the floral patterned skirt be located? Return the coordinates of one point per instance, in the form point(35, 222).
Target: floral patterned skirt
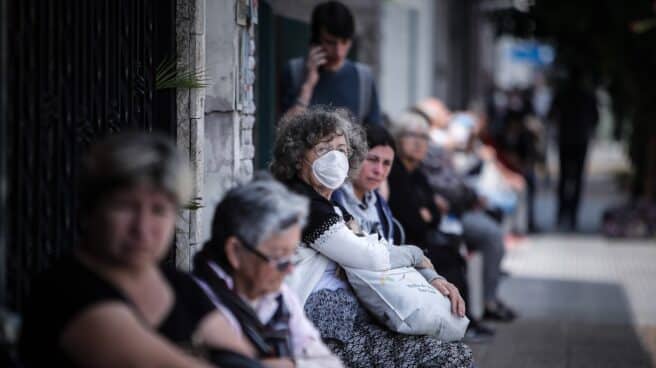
point(359, 341)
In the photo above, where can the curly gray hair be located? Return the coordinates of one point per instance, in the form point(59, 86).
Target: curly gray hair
point(301, 132)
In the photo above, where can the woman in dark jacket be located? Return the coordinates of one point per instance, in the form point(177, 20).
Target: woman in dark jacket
point(413, 204)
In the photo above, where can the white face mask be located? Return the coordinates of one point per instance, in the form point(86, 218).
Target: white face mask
point(331, 169)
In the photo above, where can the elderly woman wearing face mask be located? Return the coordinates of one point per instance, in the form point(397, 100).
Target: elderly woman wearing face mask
point(313, 155)
point(109, 303)
point(255, 231)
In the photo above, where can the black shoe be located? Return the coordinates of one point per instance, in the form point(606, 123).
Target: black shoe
point(500, 312)
point(478, 333)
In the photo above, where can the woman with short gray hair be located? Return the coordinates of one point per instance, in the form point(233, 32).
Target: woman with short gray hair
point(255, 231)
point(110, 304)
point(313, 154)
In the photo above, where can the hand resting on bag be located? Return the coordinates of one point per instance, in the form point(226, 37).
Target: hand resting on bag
point(451, 291)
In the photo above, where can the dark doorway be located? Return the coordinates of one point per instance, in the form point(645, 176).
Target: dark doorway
point(279, 39)
point(3, 153)
point(78, 70)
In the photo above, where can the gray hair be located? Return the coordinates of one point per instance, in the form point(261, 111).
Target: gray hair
point(303, 131)
point(406, 122)
point(253, 212)
point(124, 160)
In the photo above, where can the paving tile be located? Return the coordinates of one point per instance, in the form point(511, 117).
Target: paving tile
point(604, 356)
point(583, 301)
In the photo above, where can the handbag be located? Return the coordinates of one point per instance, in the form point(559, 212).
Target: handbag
point(405, 302)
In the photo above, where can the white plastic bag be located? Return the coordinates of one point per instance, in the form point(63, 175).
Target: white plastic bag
point(406, 303)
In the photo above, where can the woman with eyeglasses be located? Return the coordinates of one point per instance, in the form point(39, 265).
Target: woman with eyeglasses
point(255, 231)
point(314, 153)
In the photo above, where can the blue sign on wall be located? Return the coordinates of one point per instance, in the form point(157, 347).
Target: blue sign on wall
point(532, 53)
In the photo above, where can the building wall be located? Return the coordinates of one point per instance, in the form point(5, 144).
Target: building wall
point(230, 106)
point(190, 42)
point(215, 124)
point(438, 48)
point(407, 53)
point(441, 50)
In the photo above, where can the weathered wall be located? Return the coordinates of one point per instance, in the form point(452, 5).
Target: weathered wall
point(407, 46)
point(190, 30)
point(215, 124)
point(230, 106)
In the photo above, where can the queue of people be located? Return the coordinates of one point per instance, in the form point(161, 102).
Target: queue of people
point(314, 153)
point(268, 288)
point(120, 307)
point(439, 195)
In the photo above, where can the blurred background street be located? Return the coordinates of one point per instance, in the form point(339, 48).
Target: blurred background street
point(585, 300)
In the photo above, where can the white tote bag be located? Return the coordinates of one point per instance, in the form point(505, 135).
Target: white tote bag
point(406, 303)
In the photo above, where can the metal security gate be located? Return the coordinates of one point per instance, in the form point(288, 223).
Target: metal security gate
point(78, 70)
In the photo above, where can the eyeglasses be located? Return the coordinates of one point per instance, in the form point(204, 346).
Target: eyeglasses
point(281, 264)
point(322, 149)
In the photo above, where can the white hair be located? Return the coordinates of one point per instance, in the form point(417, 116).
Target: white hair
point(407, 121)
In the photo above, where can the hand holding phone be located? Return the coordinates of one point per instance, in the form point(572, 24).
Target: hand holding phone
point(316, 57)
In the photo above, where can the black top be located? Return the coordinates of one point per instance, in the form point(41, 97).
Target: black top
point(575, 111)
point(409, 191)
point(322, 215)
point(68, 289)
point(273, 339)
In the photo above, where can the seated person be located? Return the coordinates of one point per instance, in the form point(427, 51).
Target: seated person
point(458, 136)
point(411, 201)
point(109, 303)
point(360, 197)
point(480, 231)
point(313, 154)
point(411, 198)
point(255, 231)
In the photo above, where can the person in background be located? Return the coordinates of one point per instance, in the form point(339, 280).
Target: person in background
point(255, 231)
point(110, 303)
point(480, 230)
point(314, 153)
point(541, 100)
point(518, 150)
point(326, 76)
point(360, 197)
point(575, 112)
point(413, 203)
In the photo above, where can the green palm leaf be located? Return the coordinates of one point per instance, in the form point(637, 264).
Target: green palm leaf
point(168, 75)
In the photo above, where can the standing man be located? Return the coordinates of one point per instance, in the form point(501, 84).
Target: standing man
point(575, 111)
point(325, 76)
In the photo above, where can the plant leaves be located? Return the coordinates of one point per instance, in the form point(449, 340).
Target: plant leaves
point(168, 75)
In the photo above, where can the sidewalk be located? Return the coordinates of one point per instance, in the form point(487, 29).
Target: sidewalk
point(584, 302)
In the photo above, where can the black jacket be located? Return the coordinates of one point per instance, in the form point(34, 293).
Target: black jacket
point(409, 192)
